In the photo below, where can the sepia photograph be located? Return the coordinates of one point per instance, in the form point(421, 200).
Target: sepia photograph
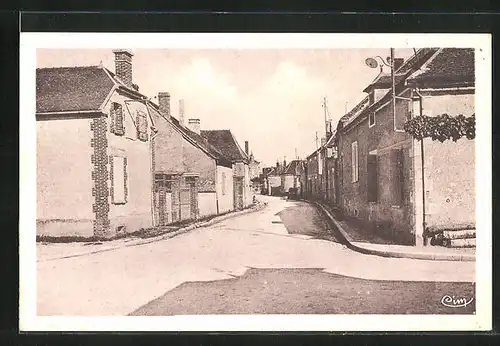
point(319, 180)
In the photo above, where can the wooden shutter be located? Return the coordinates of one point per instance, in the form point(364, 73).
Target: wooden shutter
point(119, 127)
point(354, 161)
point(142, 126)
point(397, 158)
point(372, 176)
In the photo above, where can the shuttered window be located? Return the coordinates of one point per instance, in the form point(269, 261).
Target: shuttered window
point(142, 126)
point(117, 122)
point(398, 181)
point(354, 162)
point(372, 178)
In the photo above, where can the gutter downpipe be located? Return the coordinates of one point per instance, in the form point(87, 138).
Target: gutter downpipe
point(424, 223)
point(393, 77)
point(151, 141)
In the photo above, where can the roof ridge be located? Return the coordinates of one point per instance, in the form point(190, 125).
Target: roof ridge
point(61, 67)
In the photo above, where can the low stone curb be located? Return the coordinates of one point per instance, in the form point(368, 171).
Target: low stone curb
point(180, 231)
point(388, 253)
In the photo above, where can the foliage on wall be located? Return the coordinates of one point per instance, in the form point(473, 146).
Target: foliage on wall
point(442, 127)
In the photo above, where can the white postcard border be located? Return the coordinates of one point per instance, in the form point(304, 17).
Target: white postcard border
point(27, 221)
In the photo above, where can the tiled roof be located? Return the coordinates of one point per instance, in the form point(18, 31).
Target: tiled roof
point(449, 67)
point(409, 67)
point(225, 142)
point(268, 170)
point(362, 105)
point(71, 89)
point(384, 81)
point(293, 167)
point(196, 139)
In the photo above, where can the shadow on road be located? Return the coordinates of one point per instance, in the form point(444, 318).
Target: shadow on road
point(308, 291)
point(303, 218)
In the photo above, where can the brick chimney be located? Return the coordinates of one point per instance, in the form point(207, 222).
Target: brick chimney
point(164, 103)
point(194, 125)
point(246, 147)
point(123, 66)
point(181, 112)
point(397, 63)
point(323, 141)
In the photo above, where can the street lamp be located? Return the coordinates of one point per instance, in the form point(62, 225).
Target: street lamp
point(372, 62)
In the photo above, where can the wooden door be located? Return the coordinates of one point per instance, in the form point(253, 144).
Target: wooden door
point(162, 200)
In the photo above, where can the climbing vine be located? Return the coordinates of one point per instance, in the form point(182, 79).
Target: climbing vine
point(442, 127)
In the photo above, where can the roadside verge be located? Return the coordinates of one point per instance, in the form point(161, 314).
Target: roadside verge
point(77, 249)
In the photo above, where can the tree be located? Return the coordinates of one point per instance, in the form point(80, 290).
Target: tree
point(442, 127)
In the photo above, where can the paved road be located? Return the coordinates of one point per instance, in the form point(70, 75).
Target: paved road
point(282, 259)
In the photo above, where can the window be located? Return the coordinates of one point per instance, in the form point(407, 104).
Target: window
point(320, 165)
point(354, 161)
point(223, 183)
point(398, 181)
point(117, 123)
point(372, 178)
point(371, 119)
point(415, 108)
point(118, 180)
point(142, 126)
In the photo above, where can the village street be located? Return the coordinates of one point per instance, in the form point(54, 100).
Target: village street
point(281, 259)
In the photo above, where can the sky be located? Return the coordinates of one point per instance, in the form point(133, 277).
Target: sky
point(271, 98)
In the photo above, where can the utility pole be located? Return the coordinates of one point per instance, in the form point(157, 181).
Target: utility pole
point(325, 113)
point(393, 77)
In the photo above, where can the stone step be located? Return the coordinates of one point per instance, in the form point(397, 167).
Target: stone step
point(470, 242)
point(459, 234)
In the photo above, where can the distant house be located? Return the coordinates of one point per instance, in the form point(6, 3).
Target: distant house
point(226, 143)
point(191, 176)
point(254, 170)
point(274, 180)
point(291, 176)
point(94, 153)
point(380, 164)
point(314, 180)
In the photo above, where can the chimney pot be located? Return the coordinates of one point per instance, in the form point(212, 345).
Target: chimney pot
point(181, 112)
point(164, 104)
point(194, 125)
point(123, 66)
point(397, 63)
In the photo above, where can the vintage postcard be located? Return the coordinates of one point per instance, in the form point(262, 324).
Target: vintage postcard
point(255, 182)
